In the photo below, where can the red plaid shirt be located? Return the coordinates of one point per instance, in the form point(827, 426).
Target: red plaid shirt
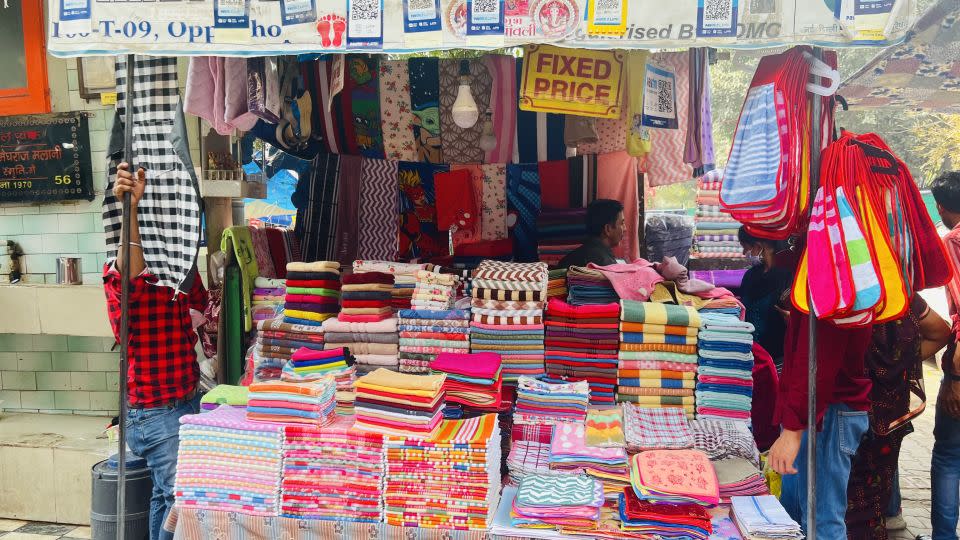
point(162, 358)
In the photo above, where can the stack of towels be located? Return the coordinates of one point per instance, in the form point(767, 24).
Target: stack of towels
point(722, 439)
point(474, 380)
point(569, 451)
point(225, 394)
point(675, 477)
point(589, 286)
point(581, 345)
point(763, 517)
point(529, 457)
point(333, 473)
point(559, 232)
point(725, 373)
point(242, 477)
point(448, 481)
point(404, 278)
point(663, 428)
point(540, 402)
point(508, 302)
point(311, 403)
point(399, 404)
point(716, 232)
point(434, 291)
point(366, 297)
point(313, 292)
point(268, 298)
point(373, 344)
point(688, 521)
point(658, 344)
point(426, 333)
point(557, 284)
point(739, 477)
point(557, 501)
point(309, 365)
point(276, 343)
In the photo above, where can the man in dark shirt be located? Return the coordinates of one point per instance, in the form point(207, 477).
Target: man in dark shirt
point(605, 230)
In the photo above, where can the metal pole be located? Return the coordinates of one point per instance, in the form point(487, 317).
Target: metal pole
point(125, 303)
point(815, 141)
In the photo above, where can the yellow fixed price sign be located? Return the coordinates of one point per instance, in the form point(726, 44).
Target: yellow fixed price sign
point(572, 81)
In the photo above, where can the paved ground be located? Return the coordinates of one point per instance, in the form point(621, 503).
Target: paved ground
point(11, 529)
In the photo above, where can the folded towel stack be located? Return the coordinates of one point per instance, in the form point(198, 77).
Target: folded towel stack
point(474, 380)
point(434, 291)
point(313, 292)
point(557, 501)
point(658, 355)
point(366, 297)
point(589, 286)
point(277, 341)
point(308, 365)
point(312, 403)
point(557, 284)
point(739, 477)
point(540, 402)
point(399, 403)
point(581, 345)
point(268, 298)
point(372, 344)
point(569, 452)
point(404, 278)
point(763, 517)
point(426, 333)
point(725, 372)
point(715, 234)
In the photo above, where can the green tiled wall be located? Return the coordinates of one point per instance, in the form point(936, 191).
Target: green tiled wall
point(58, 374)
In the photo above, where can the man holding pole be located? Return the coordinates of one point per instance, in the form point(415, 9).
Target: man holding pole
point(162, 372)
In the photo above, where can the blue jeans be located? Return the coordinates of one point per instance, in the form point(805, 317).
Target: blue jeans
point(837, 443)
point(893, 507)
point(154, 435)
point(945, 475)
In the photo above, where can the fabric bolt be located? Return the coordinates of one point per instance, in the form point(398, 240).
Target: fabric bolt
point(396, 115)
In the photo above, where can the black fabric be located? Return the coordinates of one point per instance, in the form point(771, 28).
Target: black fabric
point(760, 292)
point(593, 250)
point(316, 202)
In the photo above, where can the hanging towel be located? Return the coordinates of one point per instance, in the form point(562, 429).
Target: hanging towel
point(462, 145)
point(261, 248)
point(204, 92)
point(396, 116)
point(377, 236)
point(665, 164)
point(330, 123)
point(425, 103)
point(316, 202)
point(239, 241)
point(419, 236)
point(523, 195)
point(362, 79)
point(638, 136)
point(348, 209)
point(617, 180)
point(503, 73)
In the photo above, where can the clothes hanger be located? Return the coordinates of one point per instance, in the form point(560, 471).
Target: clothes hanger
point(821, 68)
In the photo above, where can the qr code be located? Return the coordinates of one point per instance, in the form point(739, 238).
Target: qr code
point(664, 88)
point(485, 6)
point(717, 10)
point(419, 5)
point(607, 5)
point(364, 9)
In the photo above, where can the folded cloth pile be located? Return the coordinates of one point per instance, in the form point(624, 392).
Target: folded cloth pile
point(687, 521)
point(366, 297)
point(557, 284)
point(373, 344)
point(675, 477)
point(560, 231)
point(293, 403)
point(739, 477)
point(581, 345)
point(569, 452)
point(399, 403)
point(313, 292)
point(570, 500)
point(540, 402)
point(268, 298)
point(508, 302)
point(224, 394)
point(655, 428)
point(308, 365)
point(333, 472)
point(722, 439)
point(604, 428)
point(658, 347)
point(725, 371)
point(589, 286)
point(474, 380)
point(434, 291)
point(448, 481)
point(243, 476)
point(404, 278)
point(277, 341)
point(715, 234)
point(763, 518)
point(426, 333)
point(529, 457)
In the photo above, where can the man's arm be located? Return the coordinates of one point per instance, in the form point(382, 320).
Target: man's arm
point(127, 183)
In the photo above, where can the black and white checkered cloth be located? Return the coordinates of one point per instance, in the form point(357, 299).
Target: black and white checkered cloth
point(169, 212)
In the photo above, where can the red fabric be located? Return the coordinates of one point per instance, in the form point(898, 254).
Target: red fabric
point(765, 383)
point(554, 184)
point(455, 200)
point(681, 514)
point(561, 323)
point(162, 360)
point(367, 278)
point(310, 299)
point(840, 370)
point(559, 308)
point(364, 303)
point(314, 284)
point(486, 248)
point(278, 251)
point(596, 345)
point(364, 318)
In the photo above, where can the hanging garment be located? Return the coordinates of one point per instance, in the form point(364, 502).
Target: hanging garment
point(664, 163)
point(638, 136)
point(327, 106)
point(169, 212)
point(236, 111)
point(361, 83)
point(539, 135)
point(554, 184)
point(238, 241)
point(473, 231)
point(494, 205)
point(316, 202)
point(425, 103)
point(523, 196)
point(378, 210)
point(618, 180)
point(462, 145)
point(348, 209)
point(419, 236)
point(396, 116)
point(263, 88)
point(502, 69)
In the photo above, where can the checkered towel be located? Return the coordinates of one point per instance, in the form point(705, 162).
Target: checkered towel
point(656, 428)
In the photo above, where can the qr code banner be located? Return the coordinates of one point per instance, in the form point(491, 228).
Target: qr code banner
point(365, 24)
point(660, 98)
point(717, 18)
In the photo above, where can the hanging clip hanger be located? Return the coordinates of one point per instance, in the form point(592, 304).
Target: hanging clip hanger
point(821, 68)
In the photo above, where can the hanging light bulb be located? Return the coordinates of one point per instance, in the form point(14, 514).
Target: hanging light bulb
point(465, 112)
point(487, 140)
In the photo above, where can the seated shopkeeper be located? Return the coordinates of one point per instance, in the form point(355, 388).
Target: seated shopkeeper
point(605, 230)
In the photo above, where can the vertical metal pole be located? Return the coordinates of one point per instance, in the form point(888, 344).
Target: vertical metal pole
point(815, 141)
point(125, 303)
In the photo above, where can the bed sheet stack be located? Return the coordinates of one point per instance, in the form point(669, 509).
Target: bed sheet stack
point(557, 283)
point(373, 344)
point(581, 345)
point(242, 476)
point(716, 232)
point(589, 286)
point(507, 315)
point(313, 292)
point(426, 333)
point(725, 372)
point(450, 480)
point(559, 232)
point(332, 473)
point(399, 403)
point(655, 428)
point(763, 518)
point(366, 297)
point(474, 380)
point(543, 403)
point(658, 354)
point(312, 403)
point(675, 477)
point(276, 343)
point(687, 521)
point(434, 291)
point(404, 278)
point(268, 298)
point(557, 501)
point(310, 365)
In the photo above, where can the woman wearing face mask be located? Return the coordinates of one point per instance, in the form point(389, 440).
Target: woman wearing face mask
point(765, 293)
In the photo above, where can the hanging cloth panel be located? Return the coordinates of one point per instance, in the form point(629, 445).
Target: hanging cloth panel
point(419, 236)
point(554, 184)
point(502, 69)
point(473, 232)
point(378, 210)
point(618, 180)
point(523, 198)
point(665, 165)
point(463, 145)
point(363, 74)
point(348, 209)
point(425, 102)
point(316, 202)
point(330, 123)
point(397, 118)
point(539, 135)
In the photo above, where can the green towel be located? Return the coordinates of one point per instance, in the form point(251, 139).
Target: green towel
point(233, 324)
point(655, 313)
point(226, 394)
point(330, 293)
point(239, 241)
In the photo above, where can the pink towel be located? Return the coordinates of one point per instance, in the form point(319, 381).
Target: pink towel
point(632, 281)
point(534, 327)
point(313, 354)
point(483, 365)
point(504, 74)
point(730, 381)
point(617, 180)
point(204, 95)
